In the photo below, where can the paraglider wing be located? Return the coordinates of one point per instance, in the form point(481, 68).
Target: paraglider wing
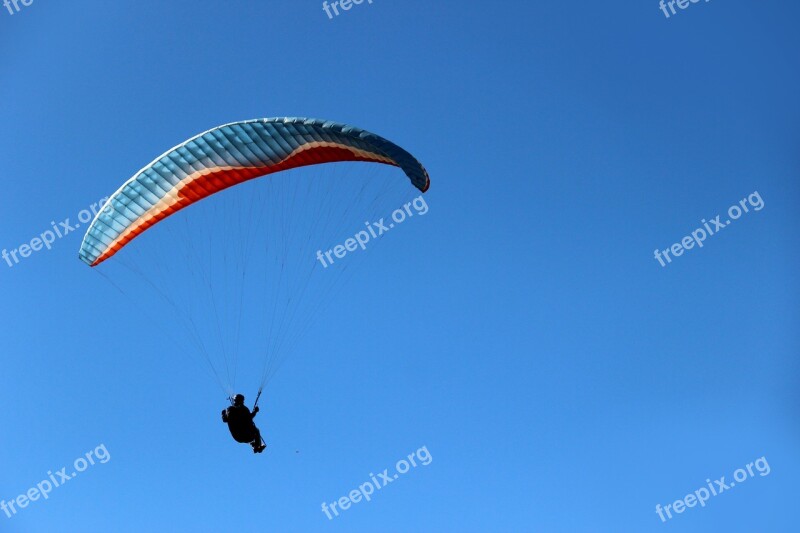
point(226, 156)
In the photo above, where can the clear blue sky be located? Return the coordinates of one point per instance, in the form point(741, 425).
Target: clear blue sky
point(523, 332)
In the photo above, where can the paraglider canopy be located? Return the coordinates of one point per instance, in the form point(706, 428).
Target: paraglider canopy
point(226, 156)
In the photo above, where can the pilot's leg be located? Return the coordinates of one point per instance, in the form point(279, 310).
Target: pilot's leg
point(257, 444)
